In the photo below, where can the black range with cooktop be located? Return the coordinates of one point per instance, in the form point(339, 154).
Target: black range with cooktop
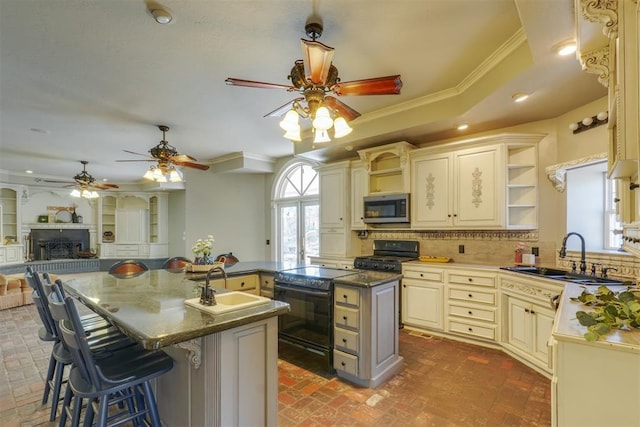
point(309, 324)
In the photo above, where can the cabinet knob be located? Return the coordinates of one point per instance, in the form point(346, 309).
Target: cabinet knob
point(470, 313)
point(470, 279)
point(470, 295)
point(526, 310)
point(470, 329)
point(449, 215)
point(344, 340)
point(533, 312)
point(241, 284)
point(344, 317)
point(344, 296)
point(343, 364)
point(421, 275)
point(340, 218)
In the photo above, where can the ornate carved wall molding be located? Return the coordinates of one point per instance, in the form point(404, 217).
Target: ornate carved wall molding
point(603, 11)
point(597, 62)
point(557, 174)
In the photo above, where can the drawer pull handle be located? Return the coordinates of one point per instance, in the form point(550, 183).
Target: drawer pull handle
point(421, 275)
point(470, 279)
point(241, 284)
point(470, 329)
point(533, 312)
point(470, 313)
point(343, 364)
point(344, 296)
point(526, 310)
point(344, 317)
point(344, 340)
point(470, 295)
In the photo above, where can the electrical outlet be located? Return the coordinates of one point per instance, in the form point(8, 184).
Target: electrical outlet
point(268, 241)
point(460, 249)
point(535, 251)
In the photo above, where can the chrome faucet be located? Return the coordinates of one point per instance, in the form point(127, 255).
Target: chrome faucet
point(563, 251)
point(208, 296)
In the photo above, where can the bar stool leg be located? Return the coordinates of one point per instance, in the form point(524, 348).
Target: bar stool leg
point(47, 383)
point(57, 383)
point(68, 394)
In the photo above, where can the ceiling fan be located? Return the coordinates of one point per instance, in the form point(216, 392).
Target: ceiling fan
point(85, 183)
point(315, 77)
point(167, 157)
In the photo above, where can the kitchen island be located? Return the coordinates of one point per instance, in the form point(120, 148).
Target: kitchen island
point(594, 383)
point(225, 366)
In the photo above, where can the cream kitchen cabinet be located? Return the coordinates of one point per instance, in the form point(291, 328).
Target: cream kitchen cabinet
point(266, 284)
point(335, 237)
point(249, 283)
point(10, 224)
point(460, 189)
point(133, 225)
point(343, 263)
point(388, 168)
point(528, 318)
point(472, 304)
point(359, 189)
point(366, 333)
point(422, 297)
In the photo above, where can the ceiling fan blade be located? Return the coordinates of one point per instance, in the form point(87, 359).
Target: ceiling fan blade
point(343, 109)
point(137, 154)
point(58, 182)
point(103, 186)
point(317, 59)
point(262, 85)
point(389, 85)
point(150, 160)
point(278, 112)
point(192, 165)
point(182, 158)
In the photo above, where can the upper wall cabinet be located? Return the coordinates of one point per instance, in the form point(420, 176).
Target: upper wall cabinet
point(484, 183)
point(388, 168)
point(607, 35)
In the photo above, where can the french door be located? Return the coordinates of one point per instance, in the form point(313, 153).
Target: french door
point(298, 224)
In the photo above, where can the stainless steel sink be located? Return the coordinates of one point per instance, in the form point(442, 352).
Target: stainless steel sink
point(565, 276)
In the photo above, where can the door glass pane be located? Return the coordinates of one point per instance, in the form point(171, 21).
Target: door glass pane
point(289, 233)
point(311, 242)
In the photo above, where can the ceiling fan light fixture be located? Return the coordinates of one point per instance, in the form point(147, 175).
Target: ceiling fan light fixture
point(341, 128)
point(149, 173)
point(175, 175)
point(519, 97)
point(293, 134)
point(321, 135)
point(290, 121)
point(161, 16)
point(317, 59)
point(75, 193)
point(322, 120)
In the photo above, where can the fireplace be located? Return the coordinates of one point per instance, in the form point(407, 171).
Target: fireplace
point(48, 244)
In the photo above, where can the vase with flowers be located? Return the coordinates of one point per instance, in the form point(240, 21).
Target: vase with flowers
point(202, 251)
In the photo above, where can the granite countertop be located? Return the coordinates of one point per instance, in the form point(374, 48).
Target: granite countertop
point(367, 279)
point(248, 267)
point(150, 308)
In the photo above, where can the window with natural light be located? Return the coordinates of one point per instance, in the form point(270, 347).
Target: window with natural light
point(297, 207)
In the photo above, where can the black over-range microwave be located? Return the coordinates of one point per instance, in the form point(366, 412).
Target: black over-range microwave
point(388, 208)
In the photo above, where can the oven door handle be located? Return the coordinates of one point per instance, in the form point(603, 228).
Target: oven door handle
point(304, 291)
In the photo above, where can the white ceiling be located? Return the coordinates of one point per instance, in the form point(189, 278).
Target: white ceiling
point(87, 79)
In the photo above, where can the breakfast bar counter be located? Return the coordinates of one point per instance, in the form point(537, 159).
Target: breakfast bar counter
point(217, 358)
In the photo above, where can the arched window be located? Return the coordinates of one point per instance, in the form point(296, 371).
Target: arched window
point(297, 213)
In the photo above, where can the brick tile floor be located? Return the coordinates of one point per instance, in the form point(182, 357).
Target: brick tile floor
point(442, 383)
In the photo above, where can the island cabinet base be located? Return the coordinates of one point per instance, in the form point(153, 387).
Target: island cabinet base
point(227, 378)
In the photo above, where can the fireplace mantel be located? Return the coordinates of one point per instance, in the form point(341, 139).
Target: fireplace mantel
point(59, 225)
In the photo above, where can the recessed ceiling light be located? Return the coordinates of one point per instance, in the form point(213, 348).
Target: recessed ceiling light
point(38, 130)
point(463, 126)
point(161, 16)
point(565, 48)
point(105, 179)
point(28, 171)
point(519, 97)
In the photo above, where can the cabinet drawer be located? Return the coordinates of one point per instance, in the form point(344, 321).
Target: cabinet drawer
point(347, 318)
point(472, 295)
point(347, 296)
point(346, 340)
point(242, 283)
point(472, 312)
point(266, 282)
point(433, 275)
point(127, 248)
point(472, 279)
point(487, 332)
point(345, 362)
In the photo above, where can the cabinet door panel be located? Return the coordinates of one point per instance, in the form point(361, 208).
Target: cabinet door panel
point(478, 178)
point(519, 324)
point(422, 304)
point(543, 324)
point(332, 206)
point(431, 203)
